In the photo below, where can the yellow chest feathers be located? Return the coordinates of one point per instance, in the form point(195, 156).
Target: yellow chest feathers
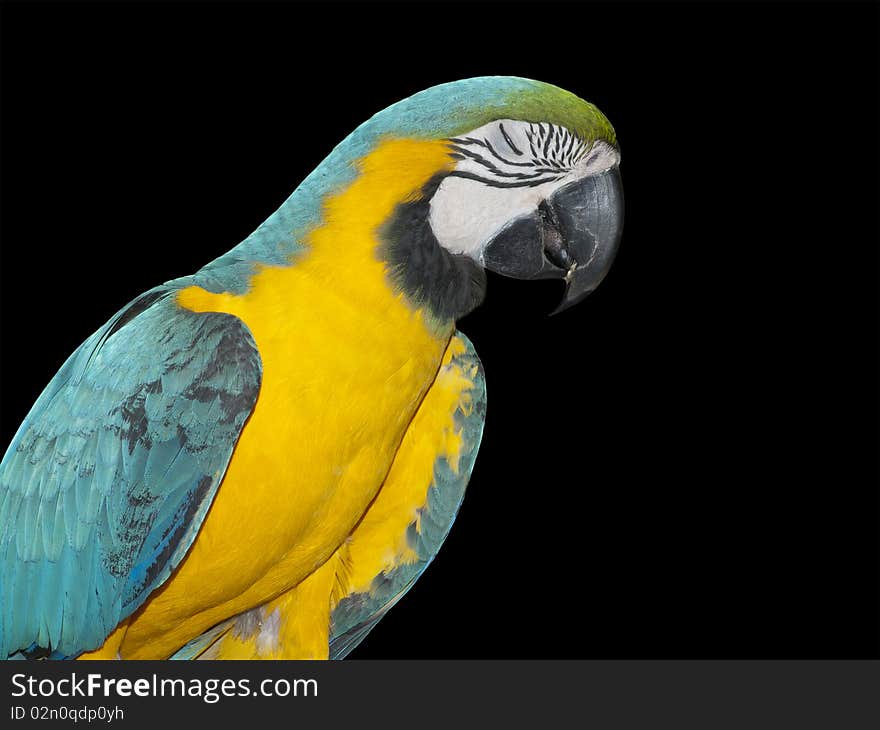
point(346, 362)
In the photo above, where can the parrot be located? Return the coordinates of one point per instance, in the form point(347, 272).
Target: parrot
point(258, 460)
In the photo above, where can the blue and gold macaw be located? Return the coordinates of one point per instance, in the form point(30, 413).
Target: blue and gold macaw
point(258, 460)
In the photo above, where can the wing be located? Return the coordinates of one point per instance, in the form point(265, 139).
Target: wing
point(107, 481)
point(446, 431)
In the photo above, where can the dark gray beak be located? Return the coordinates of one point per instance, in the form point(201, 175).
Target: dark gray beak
point(573, 235)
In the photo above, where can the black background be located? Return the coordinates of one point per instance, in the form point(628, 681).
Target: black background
point(683, 466)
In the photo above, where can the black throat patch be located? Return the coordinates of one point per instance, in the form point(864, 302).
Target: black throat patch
point(448, 285)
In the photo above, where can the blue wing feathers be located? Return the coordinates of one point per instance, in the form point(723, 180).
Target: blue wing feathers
point(105, 484)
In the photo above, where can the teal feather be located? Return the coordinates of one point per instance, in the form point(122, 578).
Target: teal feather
point(104, 490)
point(196, 647)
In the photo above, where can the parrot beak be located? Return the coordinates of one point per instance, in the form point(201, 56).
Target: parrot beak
point(591, 212)
point(573, 235)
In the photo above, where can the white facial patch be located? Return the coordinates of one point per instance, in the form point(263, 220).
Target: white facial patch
point(506, 168)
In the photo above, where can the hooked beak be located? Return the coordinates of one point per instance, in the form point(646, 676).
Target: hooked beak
point(590, 213)
point(573, 235)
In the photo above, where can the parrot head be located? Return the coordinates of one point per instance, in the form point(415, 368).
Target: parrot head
point(496, 173)
point(535, 199)
point(532, 190)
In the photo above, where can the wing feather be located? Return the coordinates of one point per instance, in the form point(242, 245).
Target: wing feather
point(108, 479)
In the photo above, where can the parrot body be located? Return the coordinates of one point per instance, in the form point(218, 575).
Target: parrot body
point(258, 460)
point(334, 403)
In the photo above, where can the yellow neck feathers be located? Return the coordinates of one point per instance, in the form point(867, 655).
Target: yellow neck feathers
point(341, 253)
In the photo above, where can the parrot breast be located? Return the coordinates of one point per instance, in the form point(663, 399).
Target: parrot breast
point(347, 360)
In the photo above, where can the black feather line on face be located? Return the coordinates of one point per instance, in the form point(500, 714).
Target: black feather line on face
point(494, 170)
point(499, 184)
point(571, 141)
point(547, 140)
point(502, 159)
point(487, 146)
point(509, 141)
point(559, 148)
